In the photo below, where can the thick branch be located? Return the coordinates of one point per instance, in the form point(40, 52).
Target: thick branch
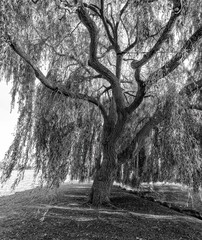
point(176, 60)
point(119, 59)
point(140, 93)
point(174, 15)
point(45, 81)
point(121, 13)
point(93, 59)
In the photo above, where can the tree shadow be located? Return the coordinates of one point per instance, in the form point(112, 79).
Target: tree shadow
point(67, 218)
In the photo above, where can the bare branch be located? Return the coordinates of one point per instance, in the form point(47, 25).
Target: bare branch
point(132, 45)
point(124, 7)
point(130, 94)
point(106, 22)
point(83, 65)
point(93, 8)
point(105, 90)
point(126, 98)
point(93, 77)
point(108, 49)
point(111, 13)
point(126, 30)
point(102, 5)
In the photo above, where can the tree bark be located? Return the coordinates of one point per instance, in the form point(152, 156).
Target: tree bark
point(105, 176)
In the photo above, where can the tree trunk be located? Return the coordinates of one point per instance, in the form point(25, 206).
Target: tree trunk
point(105, 176)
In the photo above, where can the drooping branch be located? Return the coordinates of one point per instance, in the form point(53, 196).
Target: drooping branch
point(45, 81)
point(175, 61)
point(174, 15)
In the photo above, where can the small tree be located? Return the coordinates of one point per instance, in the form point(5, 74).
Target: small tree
point(108, 53)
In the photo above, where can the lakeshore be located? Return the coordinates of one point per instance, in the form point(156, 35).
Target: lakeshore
point(28, 182)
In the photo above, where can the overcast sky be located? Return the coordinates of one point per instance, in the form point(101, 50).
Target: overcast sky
point(7, 120)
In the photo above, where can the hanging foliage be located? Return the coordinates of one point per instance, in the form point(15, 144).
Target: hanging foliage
point(101, 86)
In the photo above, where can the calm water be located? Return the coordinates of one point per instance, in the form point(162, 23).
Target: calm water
point(25, 184)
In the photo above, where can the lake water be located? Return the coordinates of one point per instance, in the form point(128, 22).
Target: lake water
point(27, 183)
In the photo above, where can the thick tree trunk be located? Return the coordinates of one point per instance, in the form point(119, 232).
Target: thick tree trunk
point(106, 174)
point(104, 178)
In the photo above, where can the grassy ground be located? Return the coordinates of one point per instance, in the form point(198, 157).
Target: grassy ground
point(37, 215)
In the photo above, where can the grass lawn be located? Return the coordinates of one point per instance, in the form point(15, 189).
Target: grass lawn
point(40, 214)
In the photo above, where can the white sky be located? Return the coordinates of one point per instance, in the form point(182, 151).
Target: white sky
point(7, 120)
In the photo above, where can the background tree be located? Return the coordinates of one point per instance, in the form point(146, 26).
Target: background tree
point(127, 59)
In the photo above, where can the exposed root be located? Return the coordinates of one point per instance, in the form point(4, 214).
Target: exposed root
point(87, 204)
point(109, 205)
point(106, 204)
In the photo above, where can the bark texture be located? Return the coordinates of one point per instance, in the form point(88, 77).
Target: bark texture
point(104, 178)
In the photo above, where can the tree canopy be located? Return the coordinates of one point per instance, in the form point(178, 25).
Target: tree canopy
point(123, 76)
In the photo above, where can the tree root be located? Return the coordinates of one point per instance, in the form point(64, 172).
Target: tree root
point(107, 204)
point(86, 204)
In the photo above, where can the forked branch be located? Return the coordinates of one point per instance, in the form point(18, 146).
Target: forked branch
point(93, 59)
point(139, 95)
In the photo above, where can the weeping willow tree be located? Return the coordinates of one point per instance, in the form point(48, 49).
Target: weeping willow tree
point(93, 81)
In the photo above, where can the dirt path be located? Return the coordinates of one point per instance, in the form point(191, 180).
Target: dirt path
point(37, 215)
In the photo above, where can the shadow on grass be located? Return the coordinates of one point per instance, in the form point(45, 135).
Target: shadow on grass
point(62, 215)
